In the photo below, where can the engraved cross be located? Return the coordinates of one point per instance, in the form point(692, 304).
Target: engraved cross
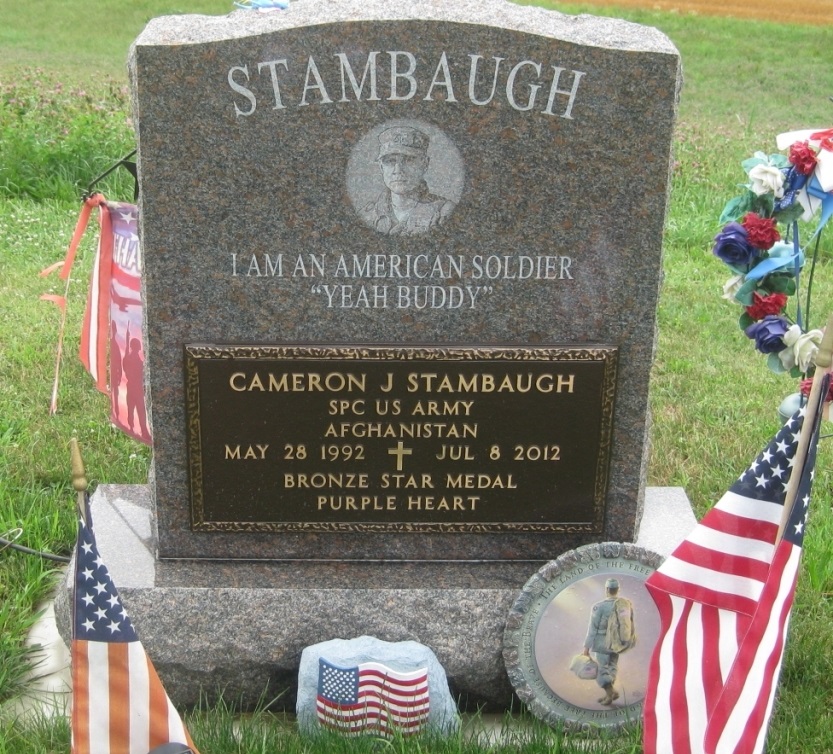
point(399, 451)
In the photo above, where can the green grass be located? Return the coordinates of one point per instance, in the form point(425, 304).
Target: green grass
point(267, 733)
point(713, 400)
point(741, 78)
point(55, 139)
point(82, 40)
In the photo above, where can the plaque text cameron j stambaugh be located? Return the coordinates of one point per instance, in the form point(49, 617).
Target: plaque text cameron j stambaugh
point(402, 439)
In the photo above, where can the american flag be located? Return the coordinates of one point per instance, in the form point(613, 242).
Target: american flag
point(119, 705)
point(724, 598)
point(372, 696)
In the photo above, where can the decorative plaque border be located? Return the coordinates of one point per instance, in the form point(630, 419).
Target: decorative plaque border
point(607, 355)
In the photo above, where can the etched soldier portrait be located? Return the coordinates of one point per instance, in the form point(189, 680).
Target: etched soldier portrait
point(404, 180)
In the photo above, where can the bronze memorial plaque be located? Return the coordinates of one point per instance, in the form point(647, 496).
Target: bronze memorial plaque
point(372, 438)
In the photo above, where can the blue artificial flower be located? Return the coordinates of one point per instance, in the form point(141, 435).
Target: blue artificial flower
point(768, 334)
point(733, 247)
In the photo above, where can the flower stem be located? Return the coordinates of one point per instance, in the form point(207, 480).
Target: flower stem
point(810, 280)
point(797, 250)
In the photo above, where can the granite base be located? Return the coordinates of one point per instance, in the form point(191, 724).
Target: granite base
point(238, 628)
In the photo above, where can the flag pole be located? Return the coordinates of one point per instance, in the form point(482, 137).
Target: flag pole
point(79, 478)
point(53, 404)
point(824, 358)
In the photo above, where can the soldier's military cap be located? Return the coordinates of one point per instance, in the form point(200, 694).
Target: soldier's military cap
point(403, 140)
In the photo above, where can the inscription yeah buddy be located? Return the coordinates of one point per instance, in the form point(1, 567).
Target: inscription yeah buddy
point(398, 76)
point(439, 268)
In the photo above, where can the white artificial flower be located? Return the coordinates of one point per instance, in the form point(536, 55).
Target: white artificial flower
point(787, 356)
point(766, 179)
point(805, 348)
point(732, 286)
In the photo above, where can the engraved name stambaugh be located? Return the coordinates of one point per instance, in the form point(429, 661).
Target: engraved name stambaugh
point(399, 76)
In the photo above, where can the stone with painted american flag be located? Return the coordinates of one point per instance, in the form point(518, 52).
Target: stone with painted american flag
point(374, 686)
point(372, 698)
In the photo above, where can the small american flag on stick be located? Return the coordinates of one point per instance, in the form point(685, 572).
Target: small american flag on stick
point(372, 697)
point(724, 598)
point(119, 705)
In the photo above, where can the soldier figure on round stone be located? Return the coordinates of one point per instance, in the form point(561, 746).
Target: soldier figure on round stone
point(610, 632)
point(406, 207)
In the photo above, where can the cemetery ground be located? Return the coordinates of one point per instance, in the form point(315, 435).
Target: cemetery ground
point(713, 400)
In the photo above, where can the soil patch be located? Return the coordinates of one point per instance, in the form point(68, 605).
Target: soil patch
point(811, 12)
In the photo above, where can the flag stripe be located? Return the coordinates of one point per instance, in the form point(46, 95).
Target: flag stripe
point(373, 703)
point(126, 278)
point(141, 714)
point(98, 683)
point(370, 718)
point(391, 680)
point(158, 705)
point(757, 512)
point(366, 718)
point(708, 595)
point(381, 725)
point(679, 660)
point(730, 632)
point(708, 539)
point(370, 709)
point(119, 688)
point(694, 644)
point(722, 520)
point(80, 697)
point(381, 691)
point(743, 576)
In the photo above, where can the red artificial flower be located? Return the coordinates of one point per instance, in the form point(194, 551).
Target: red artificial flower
point(763, 305)
point(761, 231)
point(803, 157)
point(806, 386)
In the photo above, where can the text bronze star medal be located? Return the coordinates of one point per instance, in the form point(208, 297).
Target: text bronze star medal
point(563, 631)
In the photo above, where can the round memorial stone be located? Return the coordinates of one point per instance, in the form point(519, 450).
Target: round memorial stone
point(579, 638)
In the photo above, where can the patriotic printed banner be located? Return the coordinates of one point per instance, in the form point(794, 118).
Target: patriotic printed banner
point(123, 306)
point(119, 705)
point(372, 697)
point(112, 348)
point(724, 597)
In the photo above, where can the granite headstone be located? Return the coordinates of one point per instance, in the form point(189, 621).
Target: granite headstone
point(402, 263)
